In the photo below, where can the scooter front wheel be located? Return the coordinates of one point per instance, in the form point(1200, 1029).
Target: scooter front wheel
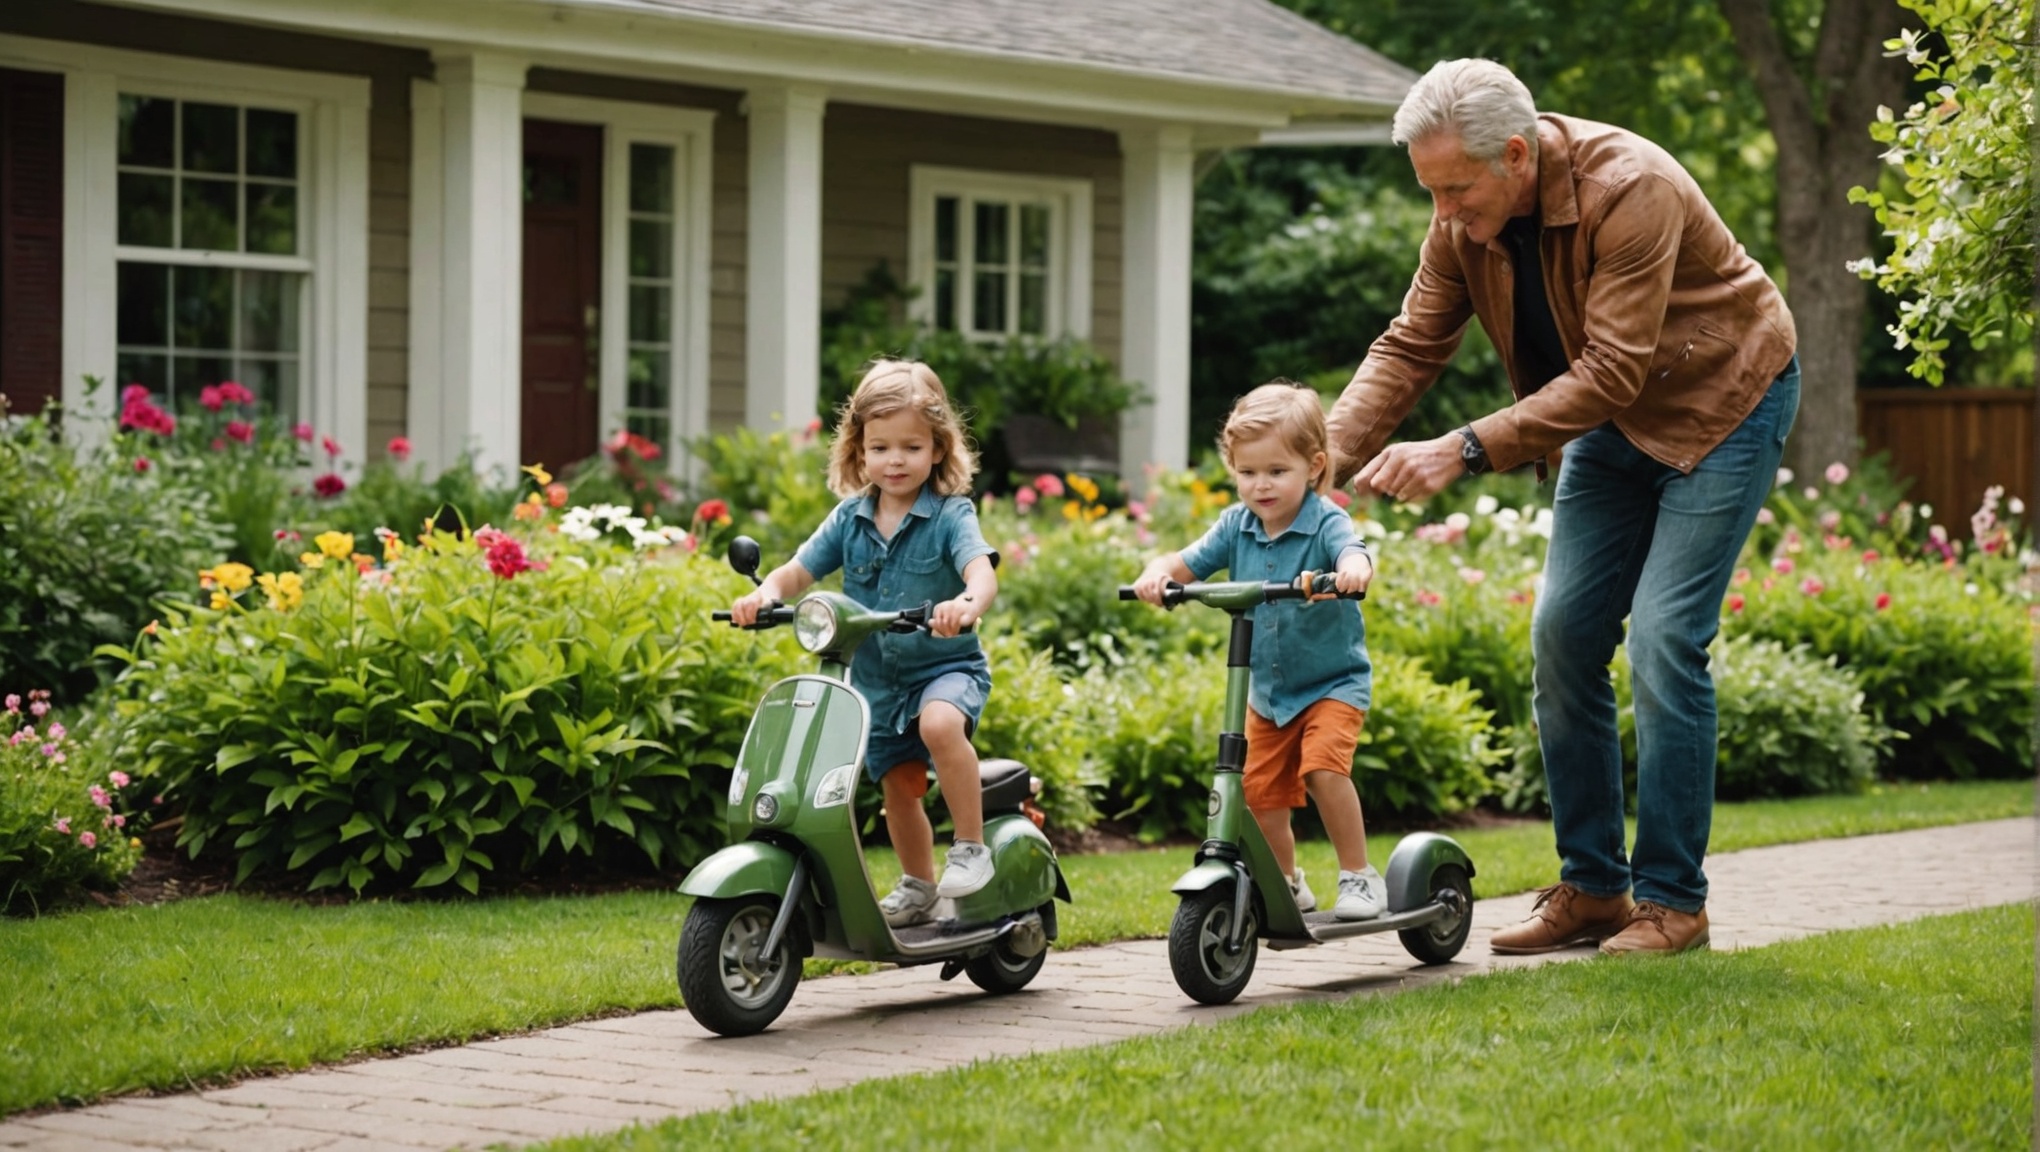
point(1207, 969)
point(729, 984)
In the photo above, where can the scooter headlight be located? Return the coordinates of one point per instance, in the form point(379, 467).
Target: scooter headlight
point(739, 782)
point(814, 625)
point(835, 788)
point(765, 809)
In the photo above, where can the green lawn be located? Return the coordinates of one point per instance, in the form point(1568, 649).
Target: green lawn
point(201, 991)
point(1914, 1036)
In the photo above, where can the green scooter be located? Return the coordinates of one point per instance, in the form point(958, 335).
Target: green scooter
point(1235, 894)
point(793, 883)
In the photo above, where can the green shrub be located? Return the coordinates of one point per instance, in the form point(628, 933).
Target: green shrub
point(63, 827)
point(772, 487)
point(1154, 724)
point(86, 544)
point(1791, 723)
point(1037, 717)
point(396, 496)
point(427, 722)
point(1943, 658)
point(1427, 748)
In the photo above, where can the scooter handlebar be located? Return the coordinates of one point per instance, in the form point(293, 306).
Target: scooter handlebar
point(772, 615)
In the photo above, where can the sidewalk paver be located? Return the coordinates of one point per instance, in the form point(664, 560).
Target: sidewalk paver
point(604, 1074)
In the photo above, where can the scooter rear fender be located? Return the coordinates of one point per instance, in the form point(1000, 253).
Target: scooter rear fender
point(745, 868)
point(1411, 864)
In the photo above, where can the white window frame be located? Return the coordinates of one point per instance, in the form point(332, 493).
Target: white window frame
point(689, 132)
point(1069, 242)
point(332, 217)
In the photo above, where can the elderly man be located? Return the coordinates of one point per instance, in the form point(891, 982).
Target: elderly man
point(1639, 336)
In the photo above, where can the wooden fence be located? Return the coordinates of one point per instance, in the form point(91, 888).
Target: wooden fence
point(1954, 443)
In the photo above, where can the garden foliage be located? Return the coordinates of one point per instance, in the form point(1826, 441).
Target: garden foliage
point(64, 824)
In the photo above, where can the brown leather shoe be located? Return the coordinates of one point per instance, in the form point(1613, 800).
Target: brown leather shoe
point(1563, 917)
point(1656, 930)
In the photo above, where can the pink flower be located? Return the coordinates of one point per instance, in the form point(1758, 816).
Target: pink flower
point(63, 825)
point(331, 446)
point(303, 432)
point(39, 708)
point(1812, 586)
point(57, 731)
point(88, 839)
point(400, 449)
point(329, 485)
point(21, 736)
point(1429, 599)
point(1830, 520)
point(14, 703)
point(1472, 575)
point(1764, 516)
point(142, 464)
point(241, 430)
point(1871, 556)
point(133, 393)
point(100, 796)
point(49, 750)
point(116, 820)
point(209, 398)
point(1837, 473)
point(1340, 498)
point(504, 553)
point(1137, 510)
point(1025, 497)
point(138, 412)
point(286, 536)
point(1883, 601)
point(1782, 565)
point(1736, 602)
point(118, 778)
point(1049, 484)
point(219, 444)
point(233, 393)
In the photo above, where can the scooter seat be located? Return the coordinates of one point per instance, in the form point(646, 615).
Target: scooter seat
point(1006, 783)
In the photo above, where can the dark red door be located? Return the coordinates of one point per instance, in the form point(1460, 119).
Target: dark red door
point(562, 290)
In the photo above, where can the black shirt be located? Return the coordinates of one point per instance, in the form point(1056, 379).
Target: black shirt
point(1540, 356)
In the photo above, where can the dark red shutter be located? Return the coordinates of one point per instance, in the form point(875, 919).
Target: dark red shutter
point(31, 239)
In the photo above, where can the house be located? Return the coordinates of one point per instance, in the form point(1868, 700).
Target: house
point(512, 226)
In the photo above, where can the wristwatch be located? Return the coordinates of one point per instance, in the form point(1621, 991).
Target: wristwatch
point(1471, 453)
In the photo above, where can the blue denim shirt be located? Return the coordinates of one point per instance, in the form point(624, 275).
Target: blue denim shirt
point(923, 561)
point(1304, 651)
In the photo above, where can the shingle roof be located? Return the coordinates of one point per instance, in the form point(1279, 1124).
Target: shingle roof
point(1246, 43)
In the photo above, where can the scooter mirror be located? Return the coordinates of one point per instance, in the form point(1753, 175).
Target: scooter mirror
point(744, 556)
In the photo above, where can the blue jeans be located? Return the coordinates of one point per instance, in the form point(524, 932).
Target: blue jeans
point(1634, 537)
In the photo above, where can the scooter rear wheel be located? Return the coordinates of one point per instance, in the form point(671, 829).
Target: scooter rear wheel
point(1000, 971)
point(1206, 970)
point(729, 985)
point(1440, 940)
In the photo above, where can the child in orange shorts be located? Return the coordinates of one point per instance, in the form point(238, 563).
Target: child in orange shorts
point(1311, 676)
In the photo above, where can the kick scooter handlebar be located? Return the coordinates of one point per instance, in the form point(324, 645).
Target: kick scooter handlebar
point(779, 612)
point(1322, 584)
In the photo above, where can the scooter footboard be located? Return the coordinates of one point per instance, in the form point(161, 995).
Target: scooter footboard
point(742, 869)
point(1411, 864)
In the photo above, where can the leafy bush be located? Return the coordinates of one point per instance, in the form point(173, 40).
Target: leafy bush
point(1943, 658)
point(427, 721)
point(1791, 723)
point(393, 495)
point(86, 544)
point(1154, 724)
point(1036, 717)
point(1427, 748)
point(771, 486)
point(62, 828)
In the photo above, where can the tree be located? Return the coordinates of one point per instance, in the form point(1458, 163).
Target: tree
point(1963, 229)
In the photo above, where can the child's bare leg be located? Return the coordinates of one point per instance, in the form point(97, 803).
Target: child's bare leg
point(956, 767)
point(1338, 805)
point(907, 822)
point(1274, 824)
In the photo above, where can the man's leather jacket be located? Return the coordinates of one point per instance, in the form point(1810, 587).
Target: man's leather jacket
point(1670, 329)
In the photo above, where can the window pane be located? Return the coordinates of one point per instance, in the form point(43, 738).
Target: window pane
point(272, 219)
point(651, 249)
point(148, 131)
point(149, 369)
point(945, 229)
point(202, 303)
point(272, 143)
point(209, 215)
point(945, 299)
point(651, 313)
point(269, 312)
point(212, 138)
point(653, 428)
point(990, 241)
point(646, 379)
point(651, 178)
point(1034, 235)
point(1033, 303)
point(988, 302)
point(274, 383)
point(146, 216)
point(188, 374)
point(143, 315)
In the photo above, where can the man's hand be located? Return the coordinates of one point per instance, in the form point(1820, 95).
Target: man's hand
point(1413, 472)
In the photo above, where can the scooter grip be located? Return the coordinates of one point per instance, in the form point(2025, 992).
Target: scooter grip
point(719, 616)
point(1126, 592)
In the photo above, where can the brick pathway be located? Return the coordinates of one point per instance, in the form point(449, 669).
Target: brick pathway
point(605, 1074)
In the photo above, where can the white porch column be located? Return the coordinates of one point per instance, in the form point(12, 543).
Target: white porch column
point(481, 225)
point(1155, 329)
point(783, 301)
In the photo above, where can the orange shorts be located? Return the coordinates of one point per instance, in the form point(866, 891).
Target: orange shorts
point(1320, 739)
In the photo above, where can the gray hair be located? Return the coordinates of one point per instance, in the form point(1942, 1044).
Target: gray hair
point(1479, 100)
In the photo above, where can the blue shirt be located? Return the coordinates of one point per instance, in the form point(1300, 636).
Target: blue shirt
point(923, 561)
point(1304, 651)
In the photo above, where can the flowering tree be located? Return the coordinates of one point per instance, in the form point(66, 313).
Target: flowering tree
point(1964, 228)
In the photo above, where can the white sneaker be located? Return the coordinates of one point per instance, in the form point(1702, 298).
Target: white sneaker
point(1362, 896)
point(968, 869)
point(912, 901)
point(1306, 901)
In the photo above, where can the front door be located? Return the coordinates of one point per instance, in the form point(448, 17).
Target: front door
point(562, 291)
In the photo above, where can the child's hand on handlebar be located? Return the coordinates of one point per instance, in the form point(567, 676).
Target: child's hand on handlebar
point(951, 617)
point(1153, 583)
point(744, 612)
point(1355, 573)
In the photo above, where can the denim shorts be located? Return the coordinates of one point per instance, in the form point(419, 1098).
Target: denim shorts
point(883, 753)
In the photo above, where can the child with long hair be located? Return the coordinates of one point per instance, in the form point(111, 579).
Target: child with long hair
point(907, 533)
point(1311, 676)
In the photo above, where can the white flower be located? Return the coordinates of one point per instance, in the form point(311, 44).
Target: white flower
point(2015, 506)
point(1458, 521)
point(1485, 505)
point(1784, 477)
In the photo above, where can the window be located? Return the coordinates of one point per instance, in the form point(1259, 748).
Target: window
point(648, 371)
point(210, 275)
point(997, 255)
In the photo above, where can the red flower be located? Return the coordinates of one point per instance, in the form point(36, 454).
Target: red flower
point(1883, 601)
point(329, 485)
point(219, 444)
point(1049, 485)
point(712, 510)
point(303, 432)
point(241, 430)
point(400, 449)
point(1735, 603)
point(233, 393)
point(556, 495)
point(1871, 556)
point(331, 446)
point(504, 553)
point(142, 464)
point(209, 398)
point(1341, 499)
point(1812, 586)
point(137, 411)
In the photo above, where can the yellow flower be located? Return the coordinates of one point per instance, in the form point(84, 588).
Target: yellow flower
point(1084, 486)
point(285, 591)
point(311, 560)
point(134, 842)
point(537, 472)
point(1094, 511)
point(1070, 510)
point(392, 544)
point(338, 545)
point(220, 600)
point(230, 576)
